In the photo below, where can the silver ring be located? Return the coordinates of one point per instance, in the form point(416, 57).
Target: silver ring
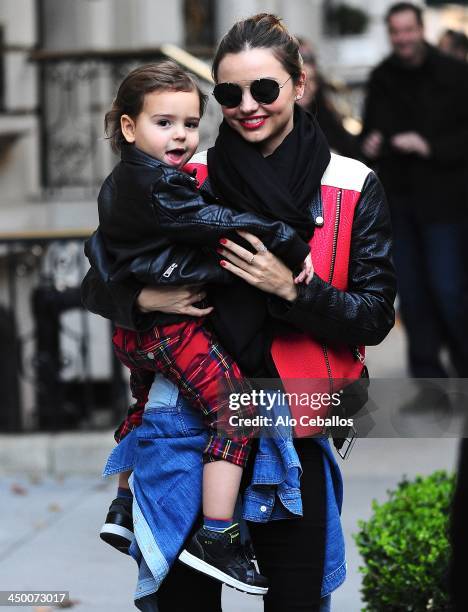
point(252, 260)
point(262, 249)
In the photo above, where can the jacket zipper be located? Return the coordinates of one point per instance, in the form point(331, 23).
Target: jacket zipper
point(330, 276)
point(335, 234)
point(358, 355)
point(170, 270)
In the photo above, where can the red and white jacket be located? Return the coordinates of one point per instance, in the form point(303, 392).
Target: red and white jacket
point(302, 357)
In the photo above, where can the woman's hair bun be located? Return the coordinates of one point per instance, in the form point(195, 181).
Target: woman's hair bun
point(261, 31)
point(273, 19)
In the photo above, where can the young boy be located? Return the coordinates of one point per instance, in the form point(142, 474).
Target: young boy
point(157, 227)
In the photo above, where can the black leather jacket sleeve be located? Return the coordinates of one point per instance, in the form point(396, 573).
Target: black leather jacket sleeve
point(116, 302)
point(363, 314)
point(115, 298)
point(194, 217)
point(171, 264)
point(170, 237)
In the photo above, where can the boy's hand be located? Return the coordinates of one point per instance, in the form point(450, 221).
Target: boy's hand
point(173, 300)
point(307, 271)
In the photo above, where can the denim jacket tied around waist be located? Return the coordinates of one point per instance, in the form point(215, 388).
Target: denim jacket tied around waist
point(165, 454)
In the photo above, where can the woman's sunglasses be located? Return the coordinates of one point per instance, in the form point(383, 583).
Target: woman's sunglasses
point(264, 91)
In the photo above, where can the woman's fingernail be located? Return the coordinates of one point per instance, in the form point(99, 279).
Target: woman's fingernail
point(220, 251)
point(223, 240)
point(223, 263)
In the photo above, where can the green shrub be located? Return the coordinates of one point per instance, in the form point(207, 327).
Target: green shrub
point(405, 547)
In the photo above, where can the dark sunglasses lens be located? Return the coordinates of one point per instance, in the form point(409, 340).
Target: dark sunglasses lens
point(228, 94)
point(265, 90)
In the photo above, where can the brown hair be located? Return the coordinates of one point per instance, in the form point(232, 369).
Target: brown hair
point(458, 40)
point(404, 6)
point(162, 76)
point(262, 31)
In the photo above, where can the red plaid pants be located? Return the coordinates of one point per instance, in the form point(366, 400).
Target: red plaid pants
point(188, 355)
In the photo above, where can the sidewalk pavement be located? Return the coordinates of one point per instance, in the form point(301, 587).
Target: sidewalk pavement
point(49, 528)
point(53, 504)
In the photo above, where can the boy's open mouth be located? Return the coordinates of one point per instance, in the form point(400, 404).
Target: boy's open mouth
point(175, 156)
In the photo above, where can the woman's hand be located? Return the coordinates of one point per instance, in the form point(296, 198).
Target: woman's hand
point(262, 270)
point(173, 300)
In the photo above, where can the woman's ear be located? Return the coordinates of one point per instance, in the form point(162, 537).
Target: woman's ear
point(300, 85)
point(127, 125)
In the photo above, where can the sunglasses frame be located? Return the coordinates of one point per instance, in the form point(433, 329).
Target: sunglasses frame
point(249, 86)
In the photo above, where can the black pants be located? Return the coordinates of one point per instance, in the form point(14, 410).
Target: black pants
point(290, 553)
point(431, 270)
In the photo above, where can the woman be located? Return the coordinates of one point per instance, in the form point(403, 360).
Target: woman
point(316, 100)
point(272, 158)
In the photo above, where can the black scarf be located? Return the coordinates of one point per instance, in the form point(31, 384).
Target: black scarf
point(280, 187)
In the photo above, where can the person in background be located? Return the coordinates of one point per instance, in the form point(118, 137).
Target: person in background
point(316, 100)
point(455, 44)
point(415, 133)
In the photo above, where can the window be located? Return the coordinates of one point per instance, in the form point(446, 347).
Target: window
point(199, 23)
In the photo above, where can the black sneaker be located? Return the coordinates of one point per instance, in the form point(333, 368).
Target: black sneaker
point(118, 528)
point(221, 556)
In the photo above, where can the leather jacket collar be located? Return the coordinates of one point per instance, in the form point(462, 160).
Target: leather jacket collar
point(134, 155)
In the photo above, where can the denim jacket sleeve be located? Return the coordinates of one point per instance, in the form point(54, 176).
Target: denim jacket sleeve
point(363, 314)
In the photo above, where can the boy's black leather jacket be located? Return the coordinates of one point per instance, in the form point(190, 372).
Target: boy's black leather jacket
point(361, 315)
point(158, 228)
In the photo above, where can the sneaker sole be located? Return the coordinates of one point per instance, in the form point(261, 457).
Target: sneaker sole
point(117, 536)
point(205, 568)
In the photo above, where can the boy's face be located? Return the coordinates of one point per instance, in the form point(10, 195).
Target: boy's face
point(167, 127)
